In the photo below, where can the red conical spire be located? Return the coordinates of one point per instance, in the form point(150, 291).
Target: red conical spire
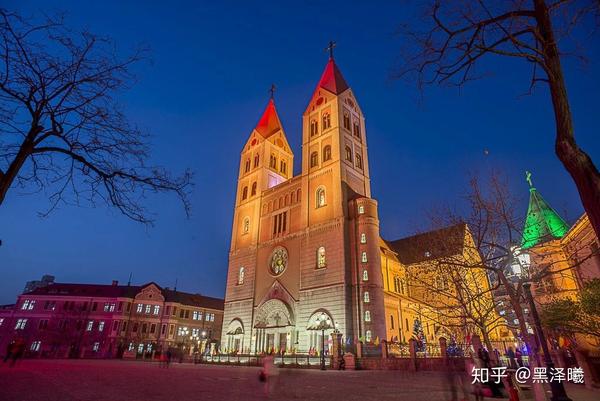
point(332, 78)
point(269, 122)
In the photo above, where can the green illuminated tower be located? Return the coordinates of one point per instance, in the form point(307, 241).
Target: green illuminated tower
point(542, 223)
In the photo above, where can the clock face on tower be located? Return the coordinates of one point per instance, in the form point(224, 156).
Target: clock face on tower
point(278, 261)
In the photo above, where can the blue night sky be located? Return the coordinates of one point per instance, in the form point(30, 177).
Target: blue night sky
point(204, 91)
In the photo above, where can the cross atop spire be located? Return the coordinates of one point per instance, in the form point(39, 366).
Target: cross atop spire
point(528, 179)
point(330, 47)
point(272, 91)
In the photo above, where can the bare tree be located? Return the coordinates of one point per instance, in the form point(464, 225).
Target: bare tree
point(495, 224)
point(453, 283)
point(462, 33)
point(62, 130)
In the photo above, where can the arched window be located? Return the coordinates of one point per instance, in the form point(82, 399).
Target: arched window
point(314, 159)
point(245, 193)
point(273, 162)
point(241, 276)
point(347, 120)
point(365, 275)
point(392, 320)
point(349, 154)
point(363, 238)
point(253, 192)
point(367, 316)
point(359, 163)
point(246, 225)
point(326, 121)
point(283, 167)
point(321, 260)
point(366, 298)
point(361, 209)
point(356, 129)
point(314, 128)
point(320, 195)
point(247, 167)
point(256, 160)
point(368, 336)
point(326, 153)
point(406, 323)
point(364, 257)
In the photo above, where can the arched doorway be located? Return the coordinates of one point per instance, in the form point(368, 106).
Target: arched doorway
point(235, 336)
point(275, 327)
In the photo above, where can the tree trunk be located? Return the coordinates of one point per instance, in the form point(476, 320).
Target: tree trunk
point(8, 177)
point(574, 159)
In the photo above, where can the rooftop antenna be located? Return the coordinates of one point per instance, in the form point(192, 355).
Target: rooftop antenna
point(175, 288)
point(129, 281)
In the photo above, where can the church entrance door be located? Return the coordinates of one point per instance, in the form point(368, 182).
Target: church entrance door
point(270, 341)
point(282, 341)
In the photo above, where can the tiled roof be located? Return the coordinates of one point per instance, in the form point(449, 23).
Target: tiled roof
point(126, 291)
point(435, 244)
point(90, 290)
point(185, 298)
point(332, 79)
point(269, 123)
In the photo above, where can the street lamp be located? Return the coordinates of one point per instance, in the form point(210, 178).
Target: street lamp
point(323, 323)
point(557, 388)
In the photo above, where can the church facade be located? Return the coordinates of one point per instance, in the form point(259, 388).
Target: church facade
point(306, 253)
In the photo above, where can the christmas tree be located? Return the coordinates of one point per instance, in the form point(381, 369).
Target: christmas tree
point(453, 349)
point(419, 336)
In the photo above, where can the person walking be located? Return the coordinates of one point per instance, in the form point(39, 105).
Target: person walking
point(17, 351)
point(510, 355)
point(269, 375)
point(9, 350)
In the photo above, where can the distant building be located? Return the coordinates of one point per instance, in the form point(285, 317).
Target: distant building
point(104, 321)
point(32, 285)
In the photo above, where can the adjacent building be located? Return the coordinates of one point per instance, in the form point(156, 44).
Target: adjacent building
point(96, 320)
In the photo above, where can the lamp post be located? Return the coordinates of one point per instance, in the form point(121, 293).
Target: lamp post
point(557, 388)
point(323, 323)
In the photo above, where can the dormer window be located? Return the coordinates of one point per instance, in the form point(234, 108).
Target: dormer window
point(314, 128)
point(314, 159)
point(326, 121)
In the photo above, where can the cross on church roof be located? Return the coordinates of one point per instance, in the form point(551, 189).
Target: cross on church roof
point(330, 47)
point(272, 90)
point(528, 178)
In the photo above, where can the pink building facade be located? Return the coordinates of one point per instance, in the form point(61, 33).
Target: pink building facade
point(106, 321)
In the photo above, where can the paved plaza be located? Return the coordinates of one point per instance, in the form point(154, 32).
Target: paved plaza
point(115, 380)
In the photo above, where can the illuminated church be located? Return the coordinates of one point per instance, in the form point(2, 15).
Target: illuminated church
point(306, 250)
